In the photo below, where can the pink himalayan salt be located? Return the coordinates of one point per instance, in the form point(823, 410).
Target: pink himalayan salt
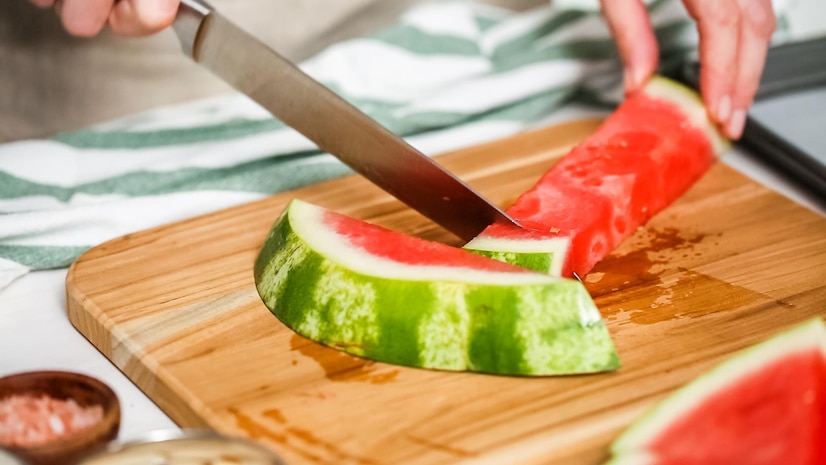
point(28, 420)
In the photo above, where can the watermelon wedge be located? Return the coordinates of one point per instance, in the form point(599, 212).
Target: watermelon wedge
point(645, 155)
point(764, 406)
point(386, 296)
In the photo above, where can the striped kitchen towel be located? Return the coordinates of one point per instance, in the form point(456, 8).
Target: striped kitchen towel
point(447, 74)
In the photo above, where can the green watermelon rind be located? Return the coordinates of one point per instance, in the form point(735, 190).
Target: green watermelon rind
point(531, 325)
point(540, 255)
point(802, 337)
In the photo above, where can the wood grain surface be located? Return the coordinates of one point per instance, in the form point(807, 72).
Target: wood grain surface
point(729, 264)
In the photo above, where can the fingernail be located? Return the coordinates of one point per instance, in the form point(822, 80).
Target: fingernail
point(724, 109)
point(734, 128)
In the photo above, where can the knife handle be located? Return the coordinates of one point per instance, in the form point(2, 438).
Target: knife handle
point(187, 24)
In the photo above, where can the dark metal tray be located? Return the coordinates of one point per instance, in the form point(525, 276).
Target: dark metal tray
point(793, 70)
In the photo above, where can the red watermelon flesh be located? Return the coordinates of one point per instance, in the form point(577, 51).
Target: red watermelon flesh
point(766, 406)
point(645, 155)
point(788, 398)
point(401, 248)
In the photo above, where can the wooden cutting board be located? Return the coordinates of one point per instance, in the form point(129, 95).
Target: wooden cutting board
point(175, 308)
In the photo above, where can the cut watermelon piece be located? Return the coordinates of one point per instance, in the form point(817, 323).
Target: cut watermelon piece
point(764, 406)
point(645, 155)
point(380, 294)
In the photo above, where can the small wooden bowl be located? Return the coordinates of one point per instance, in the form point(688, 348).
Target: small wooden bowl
point(86, 391)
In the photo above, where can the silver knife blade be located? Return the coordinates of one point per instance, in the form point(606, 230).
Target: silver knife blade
point(332, 123)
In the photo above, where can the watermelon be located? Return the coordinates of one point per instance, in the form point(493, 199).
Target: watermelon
point(386, 296)
point(645, 155)
point(764, 406)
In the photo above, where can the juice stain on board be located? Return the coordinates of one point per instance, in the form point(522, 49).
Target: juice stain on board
point(273, 427)
point(648, 280)
point(340, 366)
point(647, 256)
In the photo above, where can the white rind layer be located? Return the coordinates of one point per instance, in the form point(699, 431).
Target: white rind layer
point(558, 246)
point(495, 244)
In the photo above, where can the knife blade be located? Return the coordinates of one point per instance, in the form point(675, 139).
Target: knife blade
point(332, 123)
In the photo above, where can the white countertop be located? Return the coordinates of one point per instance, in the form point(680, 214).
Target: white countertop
point(35, 334)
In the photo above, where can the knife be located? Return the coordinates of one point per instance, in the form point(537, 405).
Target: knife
point(330, 122)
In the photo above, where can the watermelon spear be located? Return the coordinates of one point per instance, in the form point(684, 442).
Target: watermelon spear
point(645, 155)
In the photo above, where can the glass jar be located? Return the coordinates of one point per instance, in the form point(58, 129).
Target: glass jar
point(185, 447)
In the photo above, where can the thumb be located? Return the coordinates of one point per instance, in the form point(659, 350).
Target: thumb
point(142, 17)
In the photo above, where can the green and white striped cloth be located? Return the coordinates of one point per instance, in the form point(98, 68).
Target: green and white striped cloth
point(447, 74)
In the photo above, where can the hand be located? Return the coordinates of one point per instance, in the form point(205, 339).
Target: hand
point(125, 17)
point(734, 39)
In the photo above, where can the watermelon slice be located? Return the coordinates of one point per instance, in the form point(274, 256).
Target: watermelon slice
point(764, 406)
point(383, 295)
point(655, 146)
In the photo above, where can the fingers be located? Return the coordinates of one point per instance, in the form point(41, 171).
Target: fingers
point(142, 17)
point(718, 22)
point(734, 37)
point(637, 45)
point(84, 17)
point(87, 18)
point(758, 24)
